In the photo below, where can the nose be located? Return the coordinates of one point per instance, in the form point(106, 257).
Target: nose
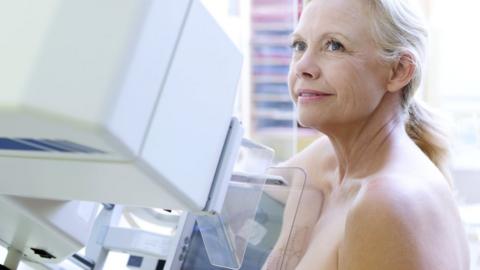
point(306, 68)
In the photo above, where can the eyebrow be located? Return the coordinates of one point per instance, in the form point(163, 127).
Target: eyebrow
point(296, 35)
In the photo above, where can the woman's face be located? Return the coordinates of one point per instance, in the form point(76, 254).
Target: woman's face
point(336, 74)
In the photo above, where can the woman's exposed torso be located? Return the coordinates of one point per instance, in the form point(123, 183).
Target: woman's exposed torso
point(322, 249)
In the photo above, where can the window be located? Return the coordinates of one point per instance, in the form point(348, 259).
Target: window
point(453, 83)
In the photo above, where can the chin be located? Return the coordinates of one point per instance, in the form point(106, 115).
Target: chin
point(315, 121)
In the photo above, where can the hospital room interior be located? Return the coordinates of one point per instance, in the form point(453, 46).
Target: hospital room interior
point(150, 134)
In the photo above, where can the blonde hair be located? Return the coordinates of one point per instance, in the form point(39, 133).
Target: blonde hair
point(398, 28)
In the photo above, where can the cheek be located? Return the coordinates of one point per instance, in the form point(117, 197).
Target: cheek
point(356, 85)
point(344, 80)
point(291, 82)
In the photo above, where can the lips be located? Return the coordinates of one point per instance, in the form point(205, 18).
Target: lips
point(308, 93)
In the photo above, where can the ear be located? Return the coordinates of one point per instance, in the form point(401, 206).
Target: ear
point(401, 73)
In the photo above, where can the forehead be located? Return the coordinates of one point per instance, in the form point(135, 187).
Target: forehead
point(348, 17)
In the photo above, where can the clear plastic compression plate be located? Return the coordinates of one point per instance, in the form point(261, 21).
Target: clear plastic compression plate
point(239, 226)
point(226, 234)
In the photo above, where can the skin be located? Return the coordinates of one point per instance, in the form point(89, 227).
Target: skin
point(375, 200)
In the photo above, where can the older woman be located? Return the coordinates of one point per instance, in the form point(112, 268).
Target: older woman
point(386, 202)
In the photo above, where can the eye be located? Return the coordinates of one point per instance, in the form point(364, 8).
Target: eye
point(298, 46)
point(333, 46)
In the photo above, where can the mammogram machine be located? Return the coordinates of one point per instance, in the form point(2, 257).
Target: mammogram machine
point(113, 107)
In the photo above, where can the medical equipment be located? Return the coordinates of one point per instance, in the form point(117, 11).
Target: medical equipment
point(123, 101)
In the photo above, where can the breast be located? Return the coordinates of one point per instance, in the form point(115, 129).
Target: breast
point(328, 232)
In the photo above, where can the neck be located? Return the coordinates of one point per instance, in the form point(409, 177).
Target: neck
point(363, 146)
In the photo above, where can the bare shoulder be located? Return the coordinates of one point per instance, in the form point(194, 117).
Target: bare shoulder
point(317, 160)
point(401, 224)
point(320, 150)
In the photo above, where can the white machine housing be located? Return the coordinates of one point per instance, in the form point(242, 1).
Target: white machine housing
point(37, 228)
point(123, 101)
point(127, 102)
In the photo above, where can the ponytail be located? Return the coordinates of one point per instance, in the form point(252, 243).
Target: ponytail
point(422, 127)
